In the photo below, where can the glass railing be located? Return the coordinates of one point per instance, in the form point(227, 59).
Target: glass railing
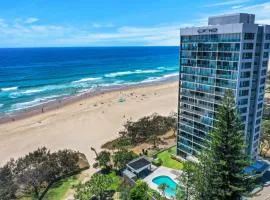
point(202, 127)
point(210, 49)
point(198, 105)
point(207, 57)
point(200, 119)
point(226, 67)
point(227, 58)
point(197, 79)
point(206, 66)
point(188, 57)
point(210, 40)
point(232, 76)
point(206, 98)
point(207, 49)
point(228, 49)
point(184, 148)
point(226, 85)
point(189, 49)
point(193, 110)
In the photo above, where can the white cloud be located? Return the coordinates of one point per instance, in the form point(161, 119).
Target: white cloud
point(17, 33)
point(237, 7)
point(98, 25)
point(261, 11)
point(3, 23)
point(30, 20)
point(228, 3)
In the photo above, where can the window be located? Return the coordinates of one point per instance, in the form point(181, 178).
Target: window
point(267, 36)
point(245, 74)
point(246, 65)
point(263, 73)
point(249, 36)
point(243, 102)
point(258, 121)
point(247, 55)
point(257, 129)
point(256, 137)
point(266, 54)
point(243, 110)
point(262, 89)
point(248, 45)
point(264, 64)
point(259, 113)
point(262, 81)
point(243, 92)
point(260, 105)
point(244, 83)
point(266, 46)
point(260, 97)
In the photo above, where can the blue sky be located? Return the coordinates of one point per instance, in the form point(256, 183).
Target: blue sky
point(41, 23)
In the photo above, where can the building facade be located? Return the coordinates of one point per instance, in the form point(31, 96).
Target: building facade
point(232, 52)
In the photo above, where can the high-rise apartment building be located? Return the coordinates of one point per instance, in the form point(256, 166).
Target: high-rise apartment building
point(232, 52)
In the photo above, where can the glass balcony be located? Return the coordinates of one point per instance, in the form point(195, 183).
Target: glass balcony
point(208, 107)
point(228, 49)
point(197, 125)
point(232, 76)
point(228, 58)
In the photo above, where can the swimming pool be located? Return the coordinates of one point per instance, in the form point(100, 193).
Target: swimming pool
point(171, 185)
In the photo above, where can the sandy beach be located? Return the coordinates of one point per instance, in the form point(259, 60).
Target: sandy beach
point(88, 122)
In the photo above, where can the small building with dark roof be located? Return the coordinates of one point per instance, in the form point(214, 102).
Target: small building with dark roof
point(137, 168)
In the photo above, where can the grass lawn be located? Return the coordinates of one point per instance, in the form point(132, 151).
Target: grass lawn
point(116, 181)
point(59, 189)
point(167, 161)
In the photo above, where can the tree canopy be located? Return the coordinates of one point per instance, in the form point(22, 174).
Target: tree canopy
point(36, 170)
point(139, 191)
point(122, 157)
point(97, 186)
point(104, 158)
point(145, 127)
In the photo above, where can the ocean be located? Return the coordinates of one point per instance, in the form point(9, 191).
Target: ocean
point(33, 76)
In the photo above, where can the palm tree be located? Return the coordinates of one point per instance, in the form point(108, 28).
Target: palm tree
point(94, 150)
point(154, 139)
point(162, 187)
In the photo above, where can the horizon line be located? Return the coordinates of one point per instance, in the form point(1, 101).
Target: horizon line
point(86, 46)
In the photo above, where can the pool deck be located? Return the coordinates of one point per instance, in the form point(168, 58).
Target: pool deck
point(162, 171)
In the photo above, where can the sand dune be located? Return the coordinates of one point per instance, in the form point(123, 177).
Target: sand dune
point(85, 123)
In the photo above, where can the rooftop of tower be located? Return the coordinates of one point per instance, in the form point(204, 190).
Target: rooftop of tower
point(232, 19)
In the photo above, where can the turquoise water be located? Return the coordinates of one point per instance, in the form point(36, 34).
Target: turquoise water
point(33, 76)
point(171, 185)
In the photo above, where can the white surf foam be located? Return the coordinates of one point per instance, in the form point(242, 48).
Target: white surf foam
point(1, 105)
point(9, 89)
point(160, 78)
point(31, 91)
point(115, 83)
point(168, 68)
point(171, 75)
point(87, 79)
point(25, 105)
point(35, 102)
point(124, 73)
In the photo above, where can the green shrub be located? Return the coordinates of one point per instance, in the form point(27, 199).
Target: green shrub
point(157, 162)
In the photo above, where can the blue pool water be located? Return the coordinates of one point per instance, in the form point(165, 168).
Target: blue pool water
point(32, 76)
point(171, 185)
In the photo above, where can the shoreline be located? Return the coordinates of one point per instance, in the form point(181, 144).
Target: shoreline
point(65, 101)
point(88, 122)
